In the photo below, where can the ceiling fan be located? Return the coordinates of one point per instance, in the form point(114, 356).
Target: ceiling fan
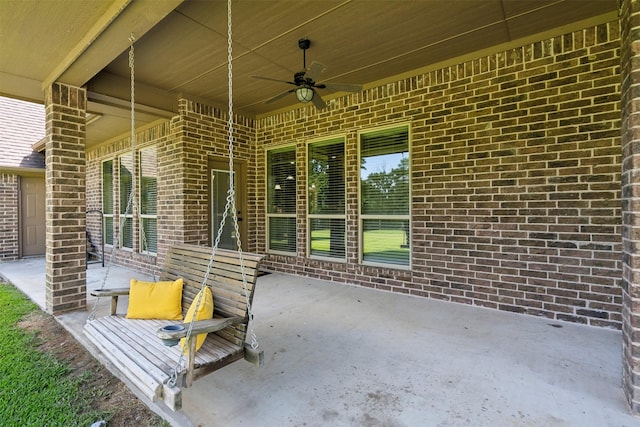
point(305, 81)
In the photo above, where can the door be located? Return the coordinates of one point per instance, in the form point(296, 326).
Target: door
point(219, 185)
point(32, 216)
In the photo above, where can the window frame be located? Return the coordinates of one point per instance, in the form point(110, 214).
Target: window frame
point(106, 215)
point(394, 217)
point(342, 216)
point(146, 216)
point(123, 216)
point(270, 215)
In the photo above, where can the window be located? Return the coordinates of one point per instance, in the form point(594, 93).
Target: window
point(148, 200)
point(219, 190)
point(384, 196)
point(126, 205)
point(107, 201)
point(281, 200)
point(146, 238)
point(326, 196)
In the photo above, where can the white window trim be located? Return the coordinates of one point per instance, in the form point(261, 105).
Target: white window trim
point(342, 216)
point(106, 215)
point(268, 215)
point(362, 217)
point(141, 246)
point(275, 251)
point(120, 208)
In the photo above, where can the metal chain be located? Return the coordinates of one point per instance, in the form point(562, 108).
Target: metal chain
point(132, 65)
point(118, 245)
point(131, 200)
point(133, 112)
point(230, 206)
point(231, 199)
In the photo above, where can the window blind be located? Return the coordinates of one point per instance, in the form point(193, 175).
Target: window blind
point(126, 174)
point(326, 198)
point(281, 165)
point(126, 178)
point(281, 199)
point(148, 181)
point(107, 201)
point(384, 196)
point(384, 173)
point(149, 199)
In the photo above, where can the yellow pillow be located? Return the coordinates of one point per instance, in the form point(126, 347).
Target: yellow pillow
point(155, 300)
point(205, 311)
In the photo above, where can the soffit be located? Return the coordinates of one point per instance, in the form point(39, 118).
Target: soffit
point(181, 47)
point(359, 41)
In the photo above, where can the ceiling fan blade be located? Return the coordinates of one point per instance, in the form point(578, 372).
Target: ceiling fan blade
point(315, 70)
point(318, 101)
point(273, 80)
point(278, 96)
point(341, 87)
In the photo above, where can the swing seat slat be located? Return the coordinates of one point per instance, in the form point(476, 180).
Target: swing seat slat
point(135, 348)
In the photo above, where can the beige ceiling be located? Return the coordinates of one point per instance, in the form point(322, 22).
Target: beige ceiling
point(181, 46)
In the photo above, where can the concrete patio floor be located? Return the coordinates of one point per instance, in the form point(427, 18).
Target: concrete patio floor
point(338, 355)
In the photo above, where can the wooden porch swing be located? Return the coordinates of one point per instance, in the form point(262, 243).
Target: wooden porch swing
point(136, 348)
point(146, 352)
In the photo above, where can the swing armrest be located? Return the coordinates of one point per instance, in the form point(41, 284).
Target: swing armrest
point(113, 293)
point(200, 327)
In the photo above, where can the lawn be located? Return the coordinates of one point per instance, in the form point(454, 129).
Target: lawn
point(35, 388)
point(48, 379)
point(380, 246)
point(386, 246)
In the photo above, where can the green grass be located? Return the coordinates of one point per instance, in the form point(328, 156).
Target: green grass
point(385, 245)
point(379, 245)
point(35, 389)
point(320, 241)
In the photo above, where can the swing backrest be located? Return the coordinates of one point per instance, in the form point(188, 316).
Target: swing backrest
point(190, 262)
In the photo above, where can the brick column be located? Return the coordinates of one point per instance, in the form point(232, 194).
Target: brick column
point(630, 74)
point(65, 198)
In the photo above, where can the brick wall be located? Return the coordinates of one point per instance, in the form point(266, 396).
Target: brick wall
point(515, 178)
point(630, 286)
point(9, 249)
point(200, 132)
point(184, 147)
point(155, 135)
point(515, 168)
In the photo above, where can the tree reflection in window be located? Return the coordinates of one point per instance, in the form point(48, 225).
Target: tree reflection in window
point(384, 196)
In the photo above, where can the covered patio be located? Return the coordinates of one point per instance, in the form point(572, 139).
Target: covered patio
point(516, 125)
point(343, 355)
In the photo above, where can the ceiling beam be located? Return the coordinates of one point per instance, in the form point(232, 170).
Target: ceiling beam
point(19, 87)
point(116, 87)
point(98, 27)
point(98, 99)
point(108, 38)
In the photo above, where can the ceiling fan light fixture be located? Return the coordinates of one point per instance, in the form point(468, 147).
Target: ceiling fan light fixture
point(306, 82)
point(304, 94)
